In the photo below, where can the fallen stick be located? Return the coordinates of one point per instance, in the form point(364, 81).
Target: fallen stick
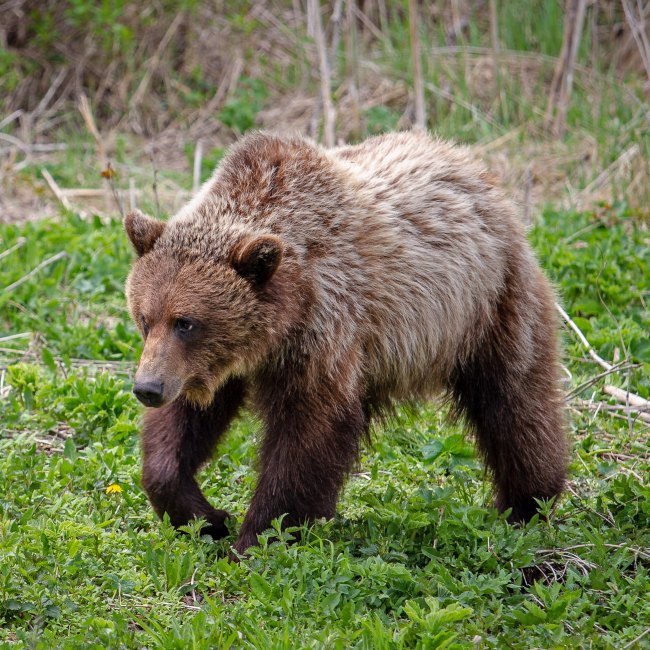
point(619, 367)
point(83, 192)
point(56, 190)
point(592, 353)
point(19, 243)
point(15, 142)
point(614, 410)
point(36, 148)
point(10, 118)
point(623, 396)
point(35, 270)
point(12, 337)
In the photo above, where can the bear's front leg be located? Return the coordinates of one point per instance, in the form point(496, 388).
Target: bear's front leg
point(176, 440)
point(311, 442)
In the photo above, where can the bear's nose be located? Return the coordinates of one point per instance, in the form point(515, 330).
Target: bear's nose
point(150, 393)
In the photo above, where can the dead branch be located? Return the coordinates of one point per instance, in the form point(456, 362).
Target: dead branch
point(15, 142)
point(198, 156)
point(35, 270)
point(154, 62)
point(592, 353)
point(630, 399)
point(20, 242)
point(619, 367)
point(639, 32)
point(87, 114)
point(10, 118)
point(56, 190)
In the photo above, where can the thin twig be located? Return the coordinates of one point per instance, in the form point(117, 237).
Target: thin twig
point(42, 105)
point(619, 367)
point(198, 156)
point(56, 190)
point(418, 82)
point(476, 112)
point(12, 337)
point(35, 270)
point(613, 410)
point(592, 353)
point(314, 10)
point(87, 114)
point(602, 178)
point(154, 183)
point(637, 27)
point(143, 86)
point(109, 175)
point(15, 142)
point(132, 195)
point(630, 423)
point(626, 397)
point(20, 242)
point(352, 63)
point(636, 639)
point(10, 118)
point(37, 147)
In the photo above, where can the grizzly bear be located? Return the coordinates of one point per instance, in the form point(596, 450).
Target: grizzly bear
point(324, 286)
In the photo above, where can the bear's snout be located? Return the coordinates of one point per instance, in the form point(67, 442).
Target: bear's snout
point(149, 392)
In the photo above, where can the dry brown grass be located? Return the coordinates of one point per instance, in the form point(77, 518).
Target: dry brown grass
point(149, 92)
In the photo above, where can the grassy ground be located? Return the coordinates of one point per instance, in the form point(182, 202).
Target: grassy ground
point(415, 556)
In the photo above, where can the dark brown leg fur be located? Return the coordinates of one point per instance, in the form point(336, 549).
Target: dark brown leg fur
point(310, 445)
point(176, 440)
point(509, 393)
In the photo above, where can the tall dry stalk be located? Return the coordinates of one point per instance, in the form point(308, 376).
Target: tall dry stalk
point(639, 31)
point(494, 37)
point(352, 64)
point(314, 19)
point(418, 82)
point(560, 92)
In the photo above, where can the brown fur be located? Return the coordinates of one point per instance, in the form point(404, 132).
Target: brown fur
point(327, 284)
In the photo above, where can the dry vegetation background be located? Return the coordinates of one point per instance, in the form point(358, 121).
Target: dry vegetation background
point(558, 107)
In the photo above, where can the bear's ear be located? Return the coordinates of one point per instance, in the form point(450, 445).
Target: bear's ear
point(143, 231)
point(257, 258)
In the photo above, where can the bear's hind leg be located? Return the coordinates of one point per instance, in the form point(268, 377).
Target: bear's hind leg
point(510, 395)
point(176, 440)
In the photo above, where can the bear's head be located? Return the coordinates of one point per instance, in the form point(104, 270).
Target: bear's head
point(203, 317)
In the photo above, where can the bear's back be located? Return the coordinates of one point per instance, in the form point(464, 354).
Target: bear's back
point(434, 244)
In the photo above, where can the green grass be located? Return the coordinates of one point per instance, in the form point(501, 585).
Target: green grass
point(414, 558)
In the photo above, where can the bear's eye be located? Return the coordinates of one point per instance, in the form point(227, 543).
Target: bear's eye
point(145, 327)
point(183, 326)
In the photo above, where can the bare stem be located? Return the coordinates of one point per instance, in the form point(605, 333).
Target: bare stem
point(418, 83)
point(325, 85)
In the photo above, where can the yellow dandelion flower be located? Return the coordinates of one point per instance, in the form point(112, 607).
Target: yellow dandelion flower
point(113, 489)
